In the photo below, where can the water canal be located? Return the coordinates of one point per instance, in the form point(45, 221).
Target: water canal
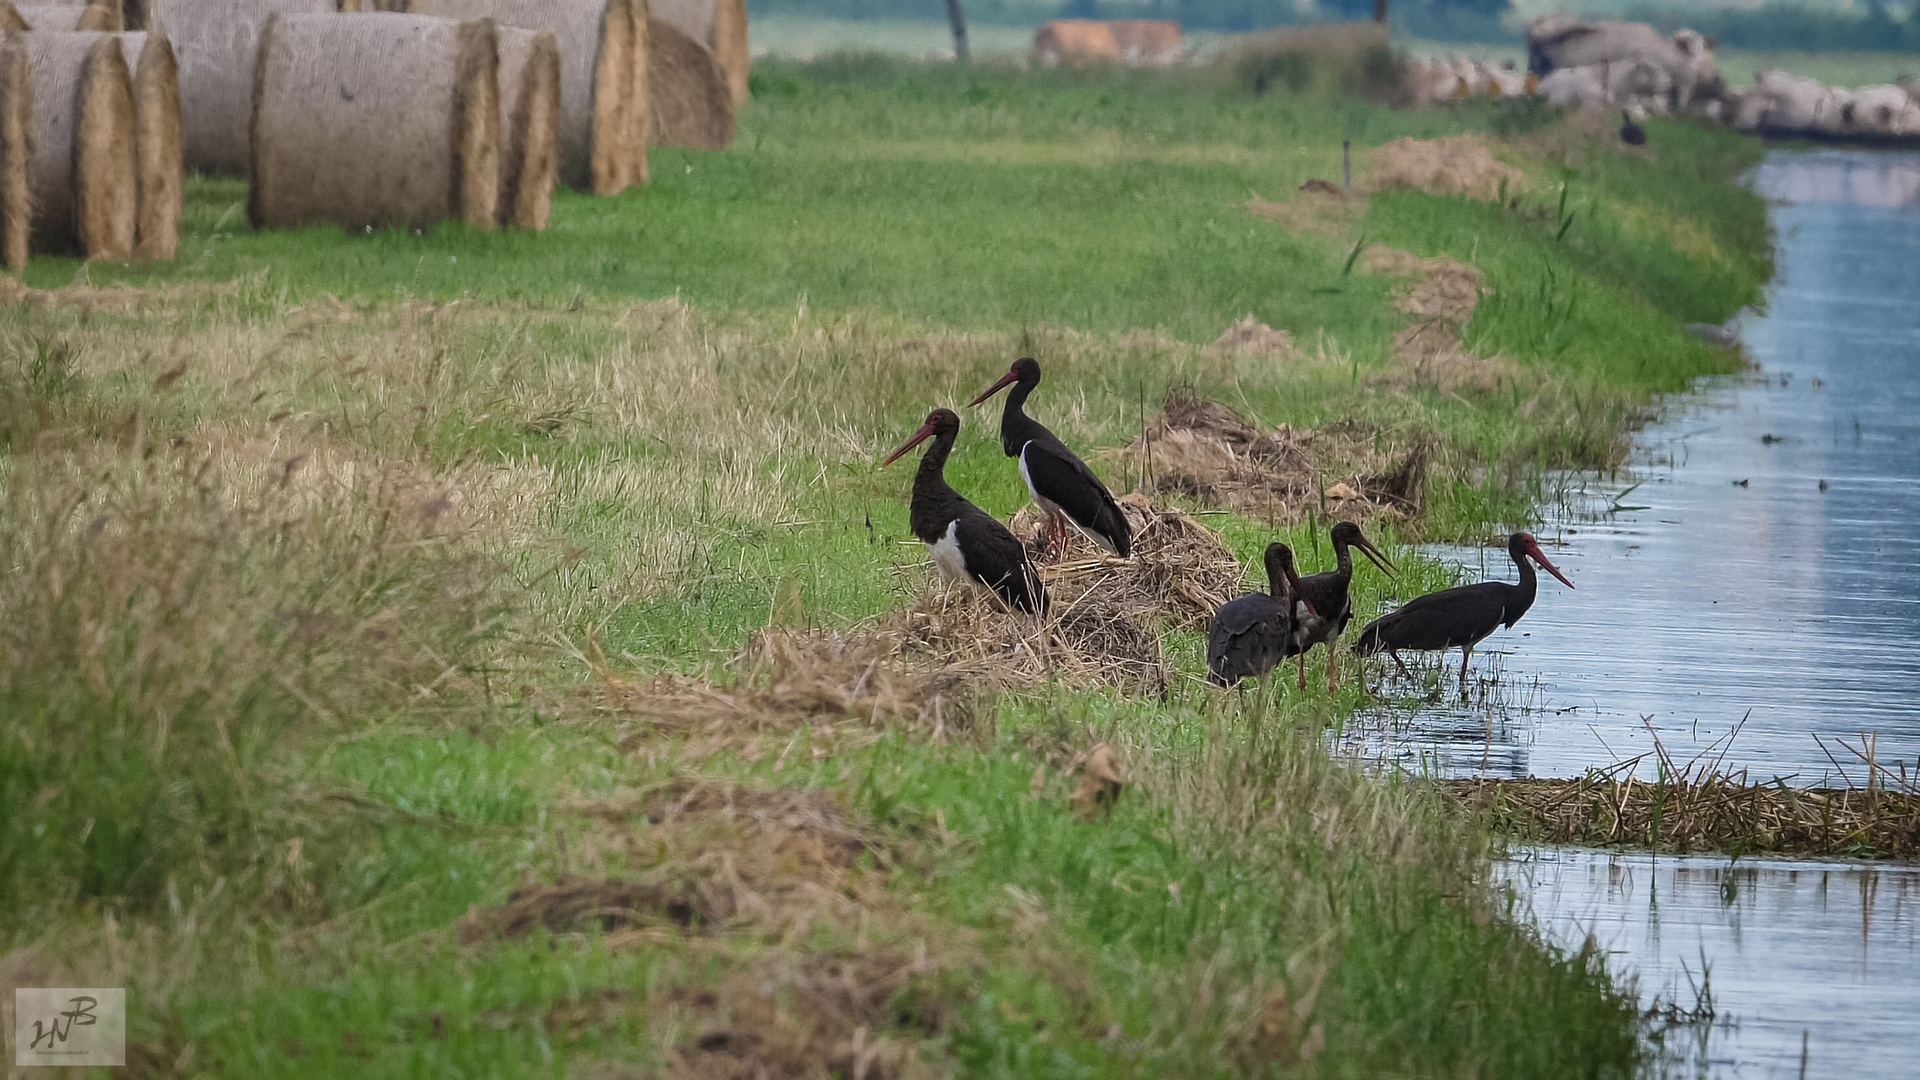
point(1762, 570)
point(1751, 593)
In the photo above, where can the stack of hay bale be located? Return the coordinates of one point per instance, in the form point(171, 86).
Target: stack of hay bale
point(364, 113)
point(89, 139)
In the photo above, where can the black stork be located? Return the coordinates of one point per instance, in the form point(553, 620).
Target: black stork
point(1460, 616)
point(966, 543)
point(1631, 133)
point(1328, 594)
point(1251, 633)
point(1059, 482)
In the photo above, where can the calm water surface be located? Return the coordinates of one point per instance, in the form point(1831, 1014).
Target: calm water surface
point(1828, 953)
point(1770, 572)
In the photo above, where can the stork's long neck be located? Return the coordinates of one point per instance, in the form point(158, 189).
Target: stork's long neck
point(1524, 592)
point(933, 499)
point(1342, 562)
point(1017, 429)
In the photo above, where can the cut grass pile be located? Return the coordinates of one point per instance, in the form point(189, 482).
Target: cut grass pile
point(497, 654)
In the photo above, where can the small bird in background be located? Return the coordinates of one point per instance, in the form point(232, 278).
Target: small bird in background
point(1631, 132)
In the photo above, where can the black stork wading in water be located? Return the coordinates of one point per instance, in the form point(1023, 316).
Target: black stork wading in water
point(1251, 633)
point(966, 544)
point(1328, 594)
point(1059, 482)
point(1460, 616)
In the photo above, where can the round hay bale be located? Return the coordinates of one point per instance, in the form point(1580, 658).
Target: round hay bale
point(16, 150)
point(156, 144)
point(375, 121)
point(640, 96)
point(529, 123)
point(215, 42)
point(85, 188)
point(596, 43)
point(691, 104)
point(720, 25)
point(101, 15)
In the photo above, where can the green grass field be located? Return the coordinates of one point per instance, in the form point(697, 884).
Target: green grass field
point(357, 581)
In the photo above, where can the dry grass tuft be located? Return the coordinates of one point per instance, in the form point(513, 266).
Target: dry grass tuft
point(789, 680)
point(702, 856)
point(843, 1012)
point(1441, 294)
point(1318, 206)
point(1250, 336)
point(1204, 450)
point(1459, 165)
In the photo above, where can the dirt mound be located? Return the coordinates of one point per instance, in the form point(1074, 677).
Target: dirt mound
point(1205, 451)
point(1249, 336)
point(1459, 165)
point(1441, 294)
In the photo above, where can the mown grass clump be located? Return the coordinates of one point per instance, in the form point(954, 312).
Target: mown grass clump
point(461, 653)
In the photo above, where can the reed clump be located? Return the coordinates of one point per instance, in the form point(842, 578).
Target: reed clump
point(1720, 814)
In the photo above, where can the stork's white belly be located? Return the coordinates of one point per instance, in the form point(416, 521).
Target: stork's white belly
point(946, 554)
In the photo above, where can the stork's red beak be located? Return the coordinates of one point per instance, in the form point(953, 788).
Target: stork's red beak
point(1366, 548)
point(925, 433)
point(1006, 380)
point(1533, 549)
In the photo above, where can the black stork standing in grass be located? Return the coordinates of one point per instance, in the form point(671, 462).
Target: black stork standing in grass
point(1060, 483)
point(1328, 593)
point(1251, 633)
point(966, 543)
point(1460, 616)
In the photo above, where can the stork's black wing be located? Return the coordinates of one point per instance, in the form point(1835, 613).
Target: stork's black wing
point(1064, 480)
point(1249, 636)
point(998, 561)
point(1442, 620)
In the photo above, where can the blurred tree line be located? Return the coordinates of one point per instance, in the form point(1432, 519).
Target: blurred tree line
point(1883, 25)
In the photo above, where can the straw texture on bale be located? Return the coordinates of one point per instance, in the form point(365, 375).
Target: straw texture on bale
point(97, 16)
point(85, 194)
point(375, 121)
point(156, 144)
point(16, 150)
point(691, 105)
point(215, 43)
point(529, 121)
point(720, 25)
point(597, 46)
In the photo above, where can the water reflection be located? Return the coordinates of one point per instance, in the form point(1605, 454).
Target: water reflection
point(1855, 179)
point(1824, 952)
point(1769, 570)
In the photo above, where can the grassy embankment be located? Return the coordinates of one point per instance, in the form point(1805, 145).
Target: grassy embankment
point(314, 548)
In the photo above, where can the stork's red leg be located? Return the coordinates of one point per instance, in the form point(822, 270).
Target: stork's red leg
point(1303, 669)
point(1466, 653)
point(1333, 666)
